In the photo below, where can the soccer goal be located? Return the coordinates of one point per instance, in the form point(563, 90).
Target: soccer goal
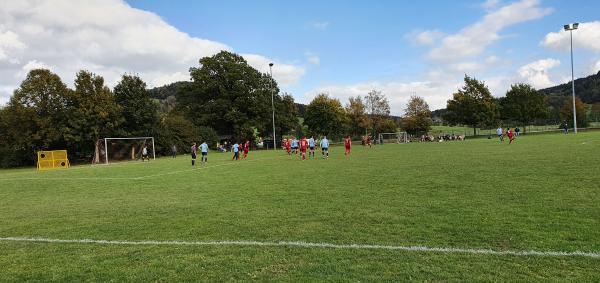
point(122, 149)
point(400, 137)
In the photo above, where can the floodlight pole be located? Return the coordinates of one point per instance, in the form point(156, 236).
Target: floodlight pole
point(570, 28)
point(273, 106)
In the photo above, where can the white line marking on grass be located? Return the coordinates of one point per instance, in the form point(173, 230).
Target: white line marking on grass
point(139, 177)
point(309, 245)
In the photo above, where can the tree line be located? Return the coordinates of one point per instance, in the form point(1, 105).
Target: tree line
point(225, 99)
point(473, 105)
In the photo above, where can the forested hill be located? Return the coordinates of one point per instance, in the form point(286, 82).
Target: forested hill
point(587, 89)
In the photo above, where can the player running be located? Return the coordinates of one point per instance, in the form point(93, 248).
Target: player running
point(303, 147)
point(324, 147)
point(236, 151)
point(246, 149)
point(510, 135)
point(193, 149)
point(294, 146)
point(499, 133)
point(311, 146)
point(369, 142)
point(347, 145)
point(288, 146)
point(204, 152)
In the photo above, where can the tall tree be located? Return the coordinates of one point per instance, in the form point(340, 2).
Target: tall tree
point(233, 98)
point(325, 116)
point(36, 117)
point(473, 105)
point(523, 104)
point(357, 116)
point(94, 112)
point(566, 114)
point(378, 108)
point(417, 116)
point(139, 110)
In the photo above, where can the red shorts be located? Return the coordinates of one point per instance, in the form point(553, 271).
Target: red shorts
point(245, 151)
point(303, 150)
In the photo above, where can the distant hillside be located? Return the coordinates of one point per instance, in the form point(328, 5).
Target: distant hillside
point(587, 89)
point(163, 92)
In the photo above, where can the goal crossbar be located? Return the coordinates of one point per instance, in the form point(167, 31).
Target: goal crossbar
point(400, 137)
point(131, 138)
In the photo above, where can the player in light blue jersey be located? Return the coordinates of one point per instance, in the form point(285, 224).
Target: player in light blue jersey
point(325, 147)
point(204, 149)
point(311, 146)
point(294, 146)
point(236, 151)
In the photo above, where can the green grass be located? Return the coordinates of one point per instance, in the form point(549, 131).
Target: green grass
point(540, 193)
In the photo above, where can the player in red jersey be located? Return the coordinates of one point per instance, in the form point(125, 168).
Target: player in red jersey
point(303, 147)
point(288, 145)
point(246, 149)
point(348, 145)
point(369, 140)
point(510, 135)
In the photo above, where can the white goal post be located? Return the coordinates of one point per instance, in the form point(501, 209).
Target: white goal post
point(399, 137)
point(105, 151)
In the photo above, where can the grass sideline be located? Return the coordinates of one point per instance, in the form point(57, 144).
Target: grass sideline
point(541, 193)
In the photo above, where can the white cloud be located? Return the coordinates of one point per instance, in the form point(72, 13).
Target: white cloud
point(320, 25)
point(473, 40)
point(427, 37)
point(490, 4)
point(313, 59)
point(109, 38)
point(586, 36)
point(536, 73)
point(285, 74)
point(596, 67)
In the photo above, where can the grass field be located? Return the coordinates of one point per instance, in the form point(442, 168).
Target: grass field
point(541, 193)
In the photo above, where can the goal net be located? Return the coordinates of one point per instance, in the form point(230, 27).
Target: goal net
point(400, 137)
point(123, 149)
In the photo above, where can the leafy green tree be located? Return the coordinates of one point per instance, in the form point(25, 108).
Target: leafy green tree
point(523, 104)
point(325, 116)
point(566, 114)
point(36, 117)
point(139, 110)
point(233, 98)
point(378, 110)
point(473, 105)
point(357, 116)
point(417, 116)
point(94, 113)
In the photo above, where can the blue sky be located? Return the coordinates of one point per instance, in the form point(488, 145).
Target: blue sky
point(370, 40)
point(344, 48)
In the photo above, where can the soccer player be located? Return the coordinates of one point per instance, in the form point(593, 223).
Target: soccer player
point(369, 142)
point(174, 151)
point(246, 149)
point(324, 147)
point(510, 135)
point(236, 151)
point(194, 148)
point(288, 146)
point(347, 145)
point(294, 146)
point(145, 153)
point(303, 146)
point(204, 150)
point(311, 146)
point(499, 133)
